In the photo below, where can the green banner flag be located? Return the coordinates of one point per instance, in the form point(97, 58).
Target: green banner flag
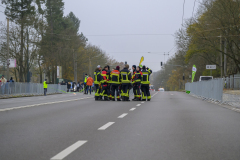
point(194, 70)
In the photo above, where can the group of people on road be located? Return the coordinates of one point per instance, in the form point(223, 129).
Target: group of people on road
point(88, 84)
point(107, 83)
point(8, 84)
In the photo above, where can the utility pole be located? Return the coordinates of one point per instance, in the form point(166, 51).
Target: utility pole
point(221, 56)
point(8, 49)
point(164, 56)
point(75, 66)
point(89, 66)
point(28, 75)
point(225, 58)
point(179, 83)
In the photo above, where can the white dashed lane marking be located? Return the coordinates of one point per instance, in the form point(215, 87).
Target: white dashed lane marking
point(106, 126)
point(68, 150)
point(138, 105)
point(142, 102)
point(123, 115)
point(41, 104)
point(132, 109)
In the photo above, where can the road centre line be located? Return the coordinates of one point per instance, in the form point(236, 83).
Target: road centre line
point(123, 115)
point(106, 126)
point(132, 109)
point(40, 104)
point(68, 150)
point(138, 105)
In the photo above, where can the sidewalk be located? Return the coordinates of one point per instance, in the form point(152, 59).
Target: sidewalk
point(234, 92)
point(231, 97)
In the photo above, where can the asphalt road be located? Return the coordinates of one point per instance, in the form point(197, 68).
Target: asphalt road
point(173, 125)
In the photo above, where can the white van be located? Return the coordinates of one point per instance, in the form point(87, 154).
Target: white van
point(205, 78)
point(161, 89)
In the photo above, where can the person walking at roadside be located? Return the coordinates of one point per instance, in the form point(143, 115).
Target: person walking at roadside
point(78, 86)
point(85, 83)
point(89, 84)
point(3, 83)
point(45, 86)
point(11, 85)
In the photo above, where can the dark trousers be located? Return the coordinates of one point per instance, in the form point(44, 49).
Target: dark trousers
point(125, 91)
point(135, 87)
point(85, 88)
point(115, 87)
point(45, 91)
point(109, 91)
point(97, 91)
point(89, 88)
point(145, 92)
point(104, 91)
point(137, 91)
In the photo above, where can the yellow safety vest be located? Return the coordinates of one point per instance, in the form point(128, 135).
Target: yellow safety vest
point(45, 84)
point(125, 74)
point(115, 75)
point(96, 77)
point(145, 77)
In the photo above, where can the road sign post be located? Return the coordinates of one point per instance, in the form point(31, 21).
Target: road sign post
point(211, 67)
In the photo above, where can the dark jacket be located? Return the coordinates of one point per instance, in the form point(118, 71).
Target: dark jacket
point(114, 77)
point(97, 76)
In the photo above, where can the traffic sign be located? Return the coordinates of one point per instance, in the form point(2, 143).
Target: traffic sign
point(211, 67)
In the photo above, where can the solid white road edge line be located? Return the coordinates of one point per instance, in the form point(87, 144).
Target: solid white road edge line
point(41, 104)
point(138, 105)
point(68, 150)
point(132, 109)
point(123, 115)
point(106, 126)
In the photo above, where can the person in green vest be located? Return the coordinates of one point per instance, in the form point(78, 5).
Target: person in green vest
point(85, 83)
point(45, 85)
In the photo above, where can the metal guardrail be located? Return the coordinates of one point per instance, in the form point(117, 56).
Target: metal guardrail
point(211, 89)
point(232, 82)
point(16, 88)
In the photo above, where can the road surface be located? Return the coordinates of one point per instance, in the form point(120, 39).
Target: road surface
point(173, 125)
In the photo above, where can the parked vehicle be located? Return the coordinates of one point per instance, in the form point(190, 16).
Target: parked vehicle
point(161, 89)
point(205, 78)
point(151, 88)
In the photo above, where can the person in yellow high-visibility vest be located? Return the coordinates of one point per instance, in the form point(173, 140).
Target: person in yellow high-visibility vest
point(45, 85)
point(85, 83)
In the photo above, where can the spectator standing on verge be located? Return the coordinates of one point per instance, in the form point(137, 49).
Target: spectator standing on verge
point(78, 86)
point(89, 84)
point(85, 84)
point(45, 87)
point(3, 82)
point(11, 85)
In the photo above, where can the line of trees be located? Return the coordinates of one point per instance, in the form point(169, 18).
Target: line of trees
point(42, 38)
point(211, 37)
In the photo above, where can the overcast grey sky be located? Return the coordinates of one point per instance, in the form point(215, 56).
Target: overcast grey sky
point(114, 17)
point(109, 17)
